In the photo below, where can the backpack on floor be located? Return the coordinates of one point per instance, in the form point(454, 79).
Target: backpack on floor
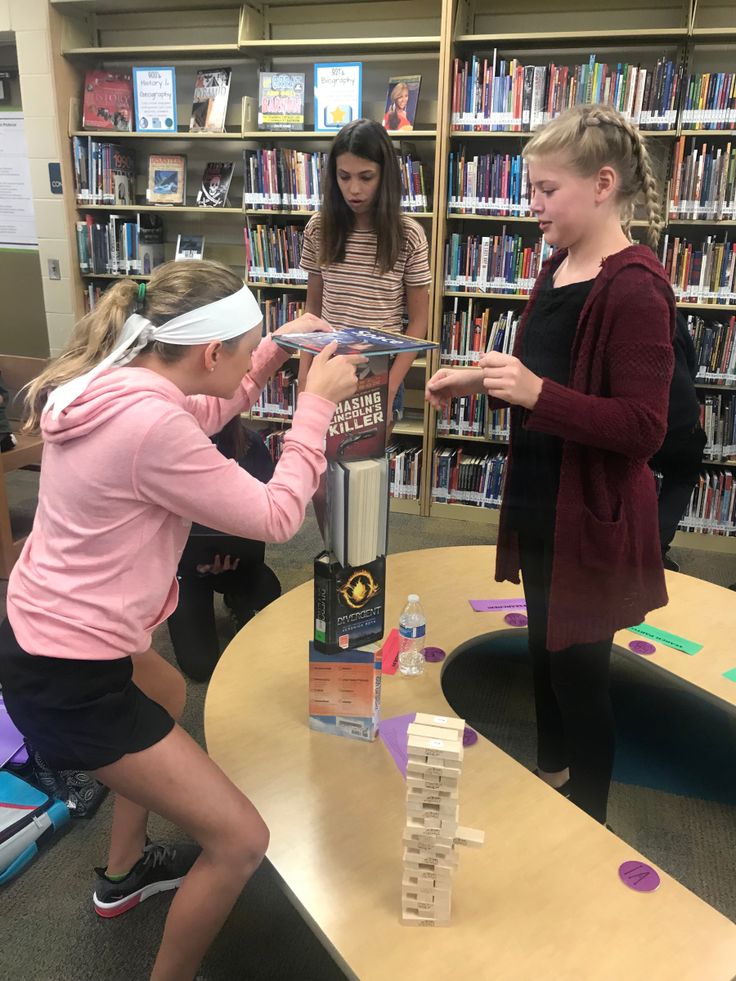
point(27, 818)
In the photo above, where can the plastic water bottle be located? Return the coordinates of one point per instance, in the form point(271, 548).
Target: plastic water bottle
point(412, 628)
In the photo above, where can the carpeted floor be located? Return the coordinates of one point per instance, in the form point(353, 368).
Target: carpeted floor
point(49, 932)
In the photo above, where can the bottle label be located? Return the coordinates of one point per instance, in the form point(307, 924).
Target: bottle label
point(413, 632)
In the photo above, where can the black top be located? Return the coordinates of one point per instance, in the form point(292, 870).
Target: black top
point(684, 411)
point(546, 349)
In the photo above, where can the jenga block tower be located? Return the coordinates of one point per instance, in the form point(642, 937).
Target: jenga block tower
point(432, 833)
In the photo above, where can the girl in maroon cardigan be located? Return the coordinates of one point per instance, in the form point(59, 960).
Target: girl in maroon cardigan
point(588, 387)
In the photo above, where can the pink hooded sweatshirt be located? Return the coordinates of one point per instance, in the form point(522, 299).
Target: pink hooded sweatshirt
point(126, 468)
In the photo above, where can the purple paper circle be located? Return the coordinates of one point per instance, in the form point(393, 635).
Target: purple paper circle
point(642, 647)
point(639, 876)
point(470, 736)
point(516, 619)
point(434, 654)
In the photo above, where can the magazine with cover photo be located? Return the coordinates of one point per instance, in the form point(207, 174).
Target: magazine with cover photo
point(209, 106)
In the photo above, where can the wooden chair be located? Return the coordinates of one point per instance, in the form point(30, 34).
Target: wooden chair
point(16, 372)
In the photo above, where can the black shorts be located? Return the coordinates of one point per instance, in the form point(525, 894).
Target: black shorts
point(79, 715)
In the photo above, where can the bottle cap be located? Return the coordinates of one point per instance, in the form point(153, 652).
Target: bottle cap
point(413, 598)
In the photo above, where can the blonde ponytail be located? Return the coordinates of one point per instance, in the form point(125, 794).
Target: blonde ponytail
point(595, 136)
point(174, 288)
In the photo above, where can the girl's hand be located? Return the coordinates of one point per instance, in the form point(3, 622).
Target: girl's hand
point(334, 378)
point(221, 563)
point(449, 383)
point(305, 325)
point(506, 378)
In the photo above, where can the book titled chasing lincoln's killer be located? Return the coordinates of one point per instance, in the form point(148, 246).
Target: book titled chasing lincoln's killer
point(358, 428)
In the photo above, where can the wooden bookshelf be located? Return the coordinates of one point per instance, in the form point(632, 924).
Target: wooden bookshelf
point(382, 36)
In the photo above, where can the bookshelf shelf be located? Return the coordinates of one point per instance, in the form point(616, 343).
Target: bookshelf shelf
point(587, 38)
point(487, 296)
point(163, 208)
point(115, 135)
point(487, 440)
point(708, 132)
point(714, 387)
point(143, 51)
point(277, 213)
point(403, 505)
point(456, 134)
point(702, 222)
point(311, 134)
point(331, 45)
point(409, 427)
point(277, 286)
point(113, 276)
point(465, 512)
point(280, 420)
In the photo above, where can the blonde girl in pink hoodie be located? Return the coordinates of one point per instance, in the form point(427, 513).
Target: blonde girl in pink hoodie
point(126, 413)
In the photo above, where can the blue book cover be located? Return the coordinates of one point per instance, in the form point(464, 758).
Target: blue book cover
point(338, 95)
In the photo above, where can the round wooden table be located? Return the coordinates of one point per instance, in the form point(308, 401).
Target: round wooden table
point(542, 899)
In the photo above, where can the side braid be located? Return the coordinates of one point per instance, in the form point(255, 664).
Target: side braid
point(604, 115)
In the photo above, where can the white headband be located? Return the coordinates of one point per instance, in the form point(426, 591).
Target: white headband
point(218, 321)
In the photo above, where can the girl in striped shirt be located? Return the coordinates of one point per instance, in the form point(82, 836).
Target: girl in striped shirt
point(367, 261)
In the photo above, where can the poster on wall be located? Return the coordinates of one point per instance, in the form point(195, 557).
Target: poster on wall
point(17, 218)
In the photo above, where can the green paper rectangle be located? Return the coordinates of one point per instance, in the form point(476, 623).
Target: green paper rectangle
point(731, 675)
point(668, 639)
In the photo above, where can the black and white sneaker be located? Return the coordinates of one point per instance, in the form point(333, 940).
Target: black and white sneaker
point(161, 869)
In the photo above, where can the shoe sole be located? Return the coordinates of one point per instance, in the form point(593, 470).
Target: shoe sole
point(120, 906)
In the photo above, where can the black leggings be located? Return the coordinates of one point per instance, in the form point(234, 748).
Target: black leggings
point(575, 725)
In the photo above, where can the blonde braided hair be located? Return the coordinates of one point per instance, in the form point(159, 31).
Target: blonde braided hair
point(594, 136)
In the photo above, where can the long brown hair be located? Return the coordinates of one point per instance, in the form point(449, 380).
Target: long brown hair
point(593, 136)
point(174, 288)
point(367, 139)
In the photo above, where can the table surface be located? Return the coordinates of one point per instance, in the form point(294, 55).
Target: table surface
point(542, 899)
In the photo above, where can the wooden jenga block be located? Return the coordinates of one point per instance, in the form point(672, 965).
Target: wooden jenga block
point(439, 853)
point(443, 721)
point(444, 749)
point(469, 837)
point(441, 808)
point(434, 732)
point(421, 767)
point(410, 919)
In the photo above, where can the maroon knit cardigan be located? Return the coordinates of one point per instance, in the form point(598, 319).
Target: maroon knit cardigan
point(607, 566)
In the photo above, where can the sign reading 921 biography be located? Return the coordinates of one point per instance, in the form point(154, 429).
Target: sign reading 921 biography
point(154, 90)
point(338, 95)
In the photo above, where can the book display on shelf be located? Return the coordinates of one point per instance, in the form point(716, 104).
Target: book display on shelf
point(282, 179)
point(150, 242)
point(209, 105)
point(470, 330)
point(167, 179)
point(104, 173)
point(464, 416)
point(413, 187)
point(715, 349)
point(505, 95)
point(272, 254)
point(280, 311)
point(712, 508)
point(281, 100)
point(338, 95)
point(704, 181)
point(107, 101)
point(401, 102)
point(488, 184)
point(154, 90)
point(189, 247)
point(493, 263)
point(700, 272)
point(213, 190)
point(709, 101)
point(121, 246)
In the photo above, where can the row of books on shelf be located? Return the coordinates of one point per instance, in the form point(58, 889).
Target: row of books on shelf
point(275, 179)
point(488, 184)
point(277, 398)
point(709, 101)
point(281, 310)
point(125, 246)
point(469, 330)
point(703, 181)
point(712, 507)
point(288, 179)
point(404, 471)
point(148, 98)
point(718, 419)
point(272, 254)
point(470, 416)
point(493, 263)
point(459, 477)
point(501, 94)
point(703, 272)
point(715, 349)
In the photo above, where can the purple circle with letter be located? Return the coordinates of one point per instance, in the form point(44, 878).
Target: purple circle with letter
point(516, 619)
point(642, 647)
point(470, 736)
point(639, 876)
point(434, 654)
